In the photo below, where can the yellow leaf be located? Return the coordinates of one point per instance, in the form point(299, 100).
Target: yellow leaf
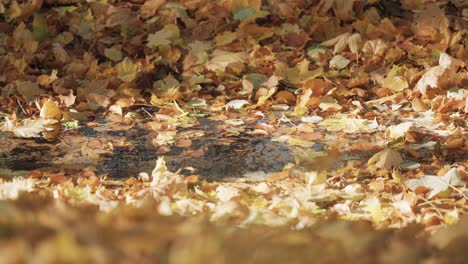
point(300, 73)
point(385, 159)
point(127, 70)
point(50, 110)
point(169, 34)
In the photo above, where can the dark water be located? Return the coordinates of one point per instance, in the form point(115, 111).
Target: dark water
point(223, 157)
point(219, 160)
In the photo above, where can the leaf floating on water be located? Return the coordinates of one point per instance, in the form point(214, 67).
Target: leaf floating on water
point(33, 128)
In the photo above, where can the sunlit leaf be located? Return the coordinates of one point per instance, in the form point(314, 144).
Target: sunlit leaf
point(396, 131)
point(30, 128)
point(349, 125)
point(385, 159)
point(437, 184)
point(11, 190)
point(50, 110)
point(236, 104)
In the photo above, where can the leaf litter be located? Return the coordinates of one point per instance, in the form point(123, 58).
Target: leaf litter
point(323, 134)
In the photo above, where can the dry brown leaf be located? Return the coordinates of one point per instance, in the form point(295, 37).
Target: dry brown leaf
point(385, 159)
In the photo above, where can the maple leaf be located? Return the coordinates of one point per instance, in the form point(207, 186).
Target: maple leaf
point(236, 104)
point(397, 131)
point(435, 76)
point(339, 62)
point(150, 7)
point(269, 88)
point(50, 110)
point(114, 53)
point(30, 128)
point(300, 73)
point(11, 190)
point(437, 184)
point(385, 159)
point(167, 35)
point(28, 90)
point(375, 47)
point(353, 41)
point(395, 80)
point(127, 70)
point(199, 49)
point(349, 125)
point(221, 59)
point(226, 193)
point(167, 88)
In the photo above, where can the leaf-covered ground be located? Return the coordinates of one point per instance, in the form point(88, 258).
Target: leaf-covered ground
point(239, 131)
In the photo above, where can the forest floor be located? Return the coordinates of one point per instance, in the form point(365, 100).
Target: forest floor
point(240, 131)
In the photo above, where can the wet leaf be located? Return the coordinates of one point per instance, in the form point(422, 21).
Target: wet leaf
point(30, 128)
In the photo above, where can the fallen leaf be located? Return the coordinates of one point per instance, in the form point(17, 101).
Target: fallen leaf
point(435, 76)
point(236, 104)
point(385, 159)
point(50, 110)
point(397, 131)
point(339, 62)
point(167, 35)
point(150, 7)
point(353, 41)
point(226, 193)
point(349, 125)
point(127, 70)
point(221, 59)
point(30, 128)
point(437, 184)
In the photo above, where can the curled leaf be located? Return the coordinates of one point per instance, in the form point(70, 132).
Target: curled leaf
point(385, 159)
